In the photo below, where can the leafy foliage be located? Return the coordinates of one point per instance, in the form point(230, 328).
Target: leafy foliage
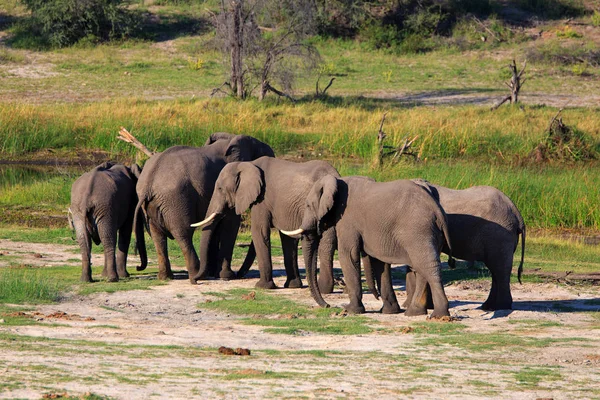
point(64, 22)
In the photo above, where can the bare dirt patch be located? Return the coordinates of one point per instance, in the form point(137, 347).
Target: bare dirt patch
point(121, 345)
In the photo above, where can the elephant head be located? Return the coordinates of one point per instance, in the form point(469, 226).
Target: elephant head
point(238, 186)
point(241, 147)
point(319, 202)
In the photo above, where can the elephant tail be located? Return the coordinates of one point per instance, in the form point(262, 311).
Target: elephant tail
point(520, 270)
point(138, 227)
point(442, 223)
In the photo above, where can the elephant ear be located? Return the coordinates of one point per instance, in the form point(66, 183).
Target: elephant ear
point(321, 196)
point(136, 171)
point(247, 148)
point(218, 136)
point(250, 184)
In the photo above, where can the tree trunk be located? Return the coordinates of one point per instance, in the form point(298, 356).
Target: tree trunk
point(237, 42)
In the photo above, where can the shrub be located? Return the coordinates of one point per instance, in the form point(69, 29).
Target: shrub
point(596, 18)
point(554, 8)
point(64, 22)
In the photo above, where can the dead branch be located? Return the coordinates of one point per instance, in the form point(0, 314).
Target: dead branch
point(403, 150)
point(125, 136)
point(504, 100)
point(515, 84)
point(279, 92)
point(322, 93)
point(220, 89)
point(554, 119)
point(486, 28)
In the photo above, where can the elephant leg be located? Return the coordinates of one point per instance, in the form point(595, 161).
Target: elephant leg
point(229, 230)
point(327, 248)
point(160, 242)
point(383, 275)
point(85, 244)
point(499, 297)
point(290, 260)
point(123, 247)
point(192, 263)
point(261, 230)
point(418, 301)
point(411, 279)
point(431, 272)
point(107, 231)
point(209, 253)
point(350, 261)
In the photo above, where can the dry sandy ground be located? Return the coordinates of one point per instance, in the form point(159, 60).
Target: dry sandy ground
point(121, 345)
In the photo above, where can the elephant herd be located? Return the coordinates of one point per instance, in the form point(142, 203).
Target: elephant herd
point(375, 224)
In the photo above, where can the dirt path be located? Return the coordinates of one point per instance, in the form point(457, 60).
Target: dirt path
point(121, 345)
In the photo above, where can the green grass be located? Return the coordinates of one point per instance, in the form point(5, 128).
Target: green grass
point(27, 286)
point(292, 318)
point(533, 377)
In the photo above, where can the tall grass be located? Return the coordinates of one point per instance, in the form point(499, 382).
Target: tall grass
point(548, 197)
point(20, 285)
point(339, 128)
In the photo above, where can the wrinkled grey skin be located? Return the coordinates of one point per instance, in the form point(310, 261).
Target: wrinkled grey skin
point(275, 190)
point(174, 191)
point(484, 225)
point(394, 222)
point(102, 203)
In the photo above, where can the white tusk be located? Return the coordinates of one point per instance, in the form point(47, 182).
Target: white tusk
point(205, 222)
point(297, 232)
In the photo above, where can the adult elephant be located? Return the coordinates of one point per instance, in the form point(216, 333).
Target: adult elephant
point(484, 225)
point(174, 191)
point(102, 204)
point(394, 222)
point(275, 191)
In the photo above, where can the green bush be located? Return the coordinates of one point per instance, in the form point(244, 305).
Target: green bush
point(61, 23)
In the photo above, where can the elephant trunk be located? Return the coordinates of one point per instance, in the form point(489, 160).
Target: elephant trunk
point(248, 261)
point(310, 249)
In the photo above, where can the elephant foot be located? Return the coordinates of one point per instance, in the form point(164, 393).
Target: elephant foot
point(391, 309)
point(265, 284)
point(201, 276)
point(354, 308)
point(104, 273)
point(163, 275)
point(436, 314)
point(124, 274)
point(112, 279)
point(227, 275)
point(326, 287)
point(87, 279)
point(406, 303)
point(412, 311)
point(293, 284)
point(498, 305)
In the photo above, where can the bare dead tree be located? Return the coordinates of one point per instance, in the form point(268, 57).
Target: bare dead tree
point(264, 43)
point(395, 152)
point(514, 84)
point(125, 136)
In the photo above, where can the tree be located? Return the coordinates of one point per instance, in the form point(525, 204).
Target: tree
point(64, 22)
point(264, 42)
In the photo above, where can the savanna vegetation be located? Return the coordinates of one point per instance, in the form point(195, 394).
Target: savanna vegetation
point(71, 76)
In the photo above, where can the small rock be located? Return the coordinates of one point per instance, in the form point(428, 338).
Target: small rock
point(38, 255)
point(1, 321)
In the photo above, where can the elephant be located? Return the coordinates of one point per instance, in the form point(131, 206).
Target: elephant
point(275, 191)
point(484, 225)
point(103, 202)
point(174, 190)
point(392, 222)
